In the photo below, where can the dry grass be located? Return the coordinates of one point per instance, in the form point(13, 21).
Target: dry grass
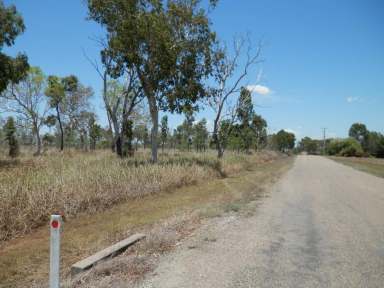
point(25, 259)
point(32, 188)
point(370, 165)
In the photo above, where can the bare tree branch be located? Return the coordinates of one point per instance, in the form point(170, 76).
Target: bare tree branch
point(224, 71)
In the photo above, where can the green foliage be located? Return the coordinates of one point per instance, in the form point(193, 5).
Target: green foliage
point(164, 130)
point(140, 132)
point(55, 91)
point(10, 137)
point(70, 99)
point(167, 44)
point(56, 94)
point(200, 135)
point(259, 127)
point(12, 70)
point(359, 132)
point(50, 120)
point(371, 142)
point(245, 114)
point(375, 144)
point(243, 136)
point(12, 24)
point(345, 147)
point(48, 139)
point(283, 141)
point(309, 145)
point(245, 107)
point(128, 137)
point(95, 132)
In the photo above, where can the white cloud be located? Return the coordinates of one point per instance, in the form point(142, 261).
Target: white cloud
point(259, 89)
point(291, 131)
point(353, 99)
point(210, 125)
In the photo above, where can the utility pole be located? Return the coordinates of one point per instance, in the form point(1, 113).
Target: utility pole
point(324, 141)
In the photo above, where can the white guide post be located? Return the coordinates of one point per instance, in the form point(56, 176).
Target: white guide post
point(54, 272)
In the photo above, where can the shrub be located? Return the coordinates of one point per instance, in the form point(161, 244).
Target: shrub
point(375, 144)
point(345, 147)
point(10, 136)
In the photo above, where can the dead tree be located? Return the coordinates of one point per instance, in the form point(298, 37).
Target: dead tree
point(227, 84)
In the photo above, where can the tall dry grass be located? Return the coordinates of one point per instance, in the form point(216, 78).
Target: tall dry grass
point(74, 182)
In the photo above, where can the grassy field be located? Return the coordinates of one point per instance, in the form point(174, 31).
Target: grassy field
point(32, 188)
point(233, 183)
point(370, 165)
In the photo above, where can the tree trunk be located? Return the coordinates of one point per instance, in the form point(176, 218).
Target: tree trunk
point(38, 152)
point(216, 138)
point(38, 138)
point(119, 146)
point(86, 142)
point(220, 150)
point(116, 145)
point(155, 127)
point(61, 129)
point(126, 138)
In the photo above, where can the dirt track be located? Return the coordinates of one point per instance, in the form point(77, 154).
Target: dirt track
point(322, 226)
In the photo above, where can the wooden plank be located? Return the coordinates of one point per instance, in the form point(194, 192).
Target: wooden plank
point(103, 254)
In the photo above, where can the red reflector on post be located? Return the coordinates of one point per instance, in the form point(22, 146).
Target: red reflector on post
point(55, 224)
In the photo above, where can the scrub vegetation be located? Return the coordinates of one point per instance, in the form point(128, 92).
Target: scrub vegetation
point(31, 188)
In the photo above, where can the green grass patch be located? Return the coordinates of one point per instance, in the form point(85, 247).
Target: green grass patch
point(370, 165)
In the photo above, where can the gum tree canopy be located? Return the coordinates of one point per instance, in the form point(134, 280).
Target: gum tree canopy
point(12, 70)
point(167, 43)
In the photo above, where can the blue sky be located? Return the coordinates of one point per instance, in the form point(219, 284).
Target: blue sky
point(324, 59)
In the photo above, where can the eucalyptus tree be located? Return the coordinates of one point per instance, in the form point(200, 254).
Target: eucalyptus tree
point(359, 132)
point(121, 96)
point(259, 127)
point(12, 69)
point(27, 100)
point(56, 95)
point(75, 108)
point(284, 141)
point(70, 100)
point(122, 105)
point(166, 43)
point(244, 114)
point(227, 80)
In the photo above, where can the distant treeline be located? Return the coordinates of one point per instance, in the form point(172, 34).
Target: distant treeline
point(361, 142)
